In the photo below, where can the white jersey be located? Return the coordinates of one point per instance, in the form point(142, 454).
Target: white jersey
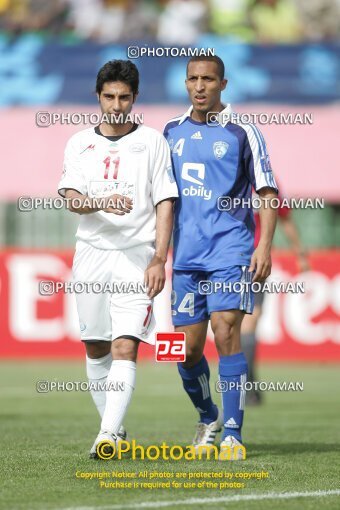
point(136, 165)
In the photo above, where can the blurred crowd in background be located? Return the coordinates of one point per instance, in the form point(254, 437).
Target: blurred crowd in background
point(175, 21)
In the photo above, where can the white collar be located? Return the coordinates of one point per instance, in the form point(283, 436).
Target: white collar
point(223, 116)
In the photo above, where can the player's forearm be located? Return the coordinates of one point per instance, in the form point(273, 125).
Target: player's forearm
point(268, 218)
point(164, 224)
point(80, 204)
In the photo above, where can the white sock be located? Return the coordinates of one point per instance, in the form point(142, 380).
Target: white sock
point(117, 402)
point(97, 371)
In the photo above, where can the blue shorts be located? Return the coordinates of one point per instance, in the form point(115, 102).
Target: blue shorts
point(196, 294)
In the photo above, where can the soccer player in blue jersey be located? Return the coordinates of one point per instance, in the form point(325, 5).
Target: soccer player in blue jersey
point(214, 246)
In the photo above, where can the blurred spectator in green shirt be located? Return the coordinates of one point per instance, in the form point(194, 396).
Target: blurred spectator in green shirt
point(275, 21)
point(231, 18)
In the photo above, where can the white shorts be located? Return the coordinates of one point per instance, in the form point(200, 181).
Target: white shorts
point(106, 315)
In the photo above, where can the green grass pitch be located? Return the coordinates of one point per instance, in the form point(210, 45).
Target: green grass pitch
point(45, 438)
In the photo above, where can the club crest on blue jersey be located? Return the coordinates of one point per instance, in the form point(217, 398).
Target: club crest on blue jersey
point(220, 149)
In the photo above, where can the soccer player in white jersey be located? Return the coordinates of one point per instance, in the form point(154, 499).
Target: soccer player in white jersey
point(124, 240)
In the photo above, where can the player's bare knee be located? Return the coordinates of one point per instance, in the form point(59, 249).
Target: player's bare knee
point(226, 335)
point(99, 349)
point(223, 334)
point(124, 349)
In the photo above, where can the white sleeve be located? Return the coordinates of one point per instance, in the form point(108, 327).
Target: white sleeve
point(163, 181)
point(72, 177)
point(257, 160)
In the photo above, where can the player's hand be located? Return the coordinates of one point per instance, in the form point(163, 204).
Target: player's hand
point(261, 263)
point(118, 204)
point(154, 276)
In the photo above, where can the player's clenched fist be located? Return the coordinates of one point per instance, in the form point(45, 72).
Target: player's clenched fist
point(118, 204)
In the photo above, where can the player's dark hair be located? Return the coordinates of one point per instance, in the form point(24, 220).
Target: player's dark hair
point(209, 58)
point(118, 70)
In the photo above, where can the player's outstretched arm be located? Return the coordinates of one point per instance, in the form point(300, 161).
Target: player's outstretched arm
point(154, 276)
point(261, 260)
point(83, 204)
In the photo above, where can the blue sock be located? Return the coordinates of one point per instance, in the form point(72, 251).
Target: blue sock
point(233, 369)
point(196, 384)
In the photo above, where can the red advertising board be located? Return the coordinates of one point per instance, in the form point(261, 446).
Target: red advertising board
point(302, 326)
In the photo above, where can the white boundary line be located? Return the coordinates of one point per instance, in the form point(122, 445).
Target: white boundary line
point(227, 499)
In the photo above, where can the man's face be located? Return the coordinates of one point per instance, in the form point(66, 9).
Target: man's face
point(116, 98)
point(204, 86)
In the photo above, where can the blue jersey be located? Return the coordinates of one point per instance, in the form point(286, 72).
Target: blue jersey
point(210, 162)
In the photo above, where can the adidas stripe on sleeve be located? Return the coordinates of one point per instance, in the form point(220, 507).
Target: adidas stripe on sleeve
point(257, 159)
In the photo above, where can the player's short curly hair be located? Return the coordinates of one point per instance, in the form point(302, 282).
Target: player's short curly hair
point(210, 58)
point(118, 70)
